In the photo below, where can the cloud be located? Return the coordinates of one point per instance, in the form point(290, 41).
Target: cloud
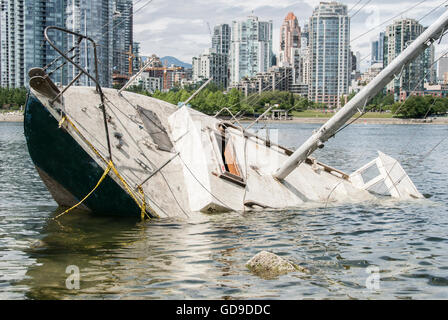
point(182, 28)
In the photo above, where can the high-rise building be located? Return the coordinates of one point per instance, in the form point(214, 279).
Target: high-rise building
point(251, 48)
point(305, 35)
point(429, 67)
point(0, 40)
point(354, 62)
point(4, 38)
point(377, 54)
point(289, 40)
point(301, 67)
point(211, 64)
point(221, 39)
point(22, 37)
point(442, 70)
point(399, 35)
point(137, 63)
point(13, 45)
point(39, 15)
point(122, 35)
point(330, 59)
point(95, 19)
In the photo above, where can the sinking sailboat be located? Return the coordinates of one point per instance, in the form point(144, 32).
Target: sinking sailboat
point(115, 152)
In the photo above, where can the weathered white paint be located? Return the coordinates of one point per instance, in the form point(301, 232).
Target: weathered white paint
point(191, 182)
point(391, 173)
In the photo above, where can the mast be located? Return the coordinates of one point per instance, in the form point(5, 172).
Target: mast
point(329, 129)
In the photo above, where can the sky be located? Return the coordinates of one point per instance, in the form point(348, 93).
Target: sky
point(183, 28)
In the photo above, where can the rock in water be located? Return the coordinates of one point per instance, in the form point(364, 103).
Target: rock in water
point(38, 244)
point(269, 265)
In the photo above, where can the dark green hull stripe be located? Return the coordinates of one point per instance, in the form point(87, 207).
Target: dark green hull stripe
point(54, 151)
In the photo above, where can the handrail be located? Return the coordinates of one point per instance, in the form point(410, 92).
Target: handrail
point(68, 86)
point(234, 117)
point(80, 36)
point(82, 71)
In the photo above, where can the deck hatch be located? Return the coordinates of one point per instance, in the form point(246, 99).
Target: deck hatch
point(155, 129)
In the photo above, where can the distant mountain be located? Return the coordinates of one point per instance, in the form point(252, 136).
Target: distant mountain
point(168, 60)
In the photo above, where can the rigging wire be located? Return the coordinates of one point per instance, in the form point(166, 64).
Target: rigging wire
point(427, 113)
point(354, 6)
point(365, 4)
point(125, 18)
point(129, 16)
point(402, 103)
point(143, 154)
point(432, 11)
point(414, 133)
point(381, 24)
point(419, 83)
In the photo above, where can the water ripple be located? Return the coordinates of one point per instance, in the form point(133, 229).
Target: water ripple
point(204, 258)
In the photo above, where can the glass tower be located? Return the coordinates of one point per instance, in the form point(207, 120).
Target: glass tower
point(221, 39)
point(22, 25)
point(330, 59)
point(398, 37)
point(22, 38)
point(122, 24)
point(251, 48)
point(93, 18)
point(378, 49)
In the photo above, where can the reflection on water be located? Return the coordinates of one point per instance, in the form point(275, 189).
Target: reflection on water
point(205, 257)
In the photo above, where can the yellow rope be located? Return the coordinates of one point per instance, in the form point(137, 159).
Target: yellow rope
point(106, 172)
point(128, 189)
point(110, 167)
point(142, 194)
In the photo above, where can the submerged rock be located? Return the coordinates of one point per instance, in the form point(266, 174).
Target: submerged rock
point(38, 244)
point(269, 265)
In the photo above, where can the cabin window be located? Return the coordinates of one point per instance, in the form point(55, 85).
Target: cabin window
point(230, 170)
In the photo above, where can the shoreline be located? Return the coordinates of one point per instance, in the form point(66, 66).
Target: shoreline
point(432, 121)
point(18, 117)
point(13, 116)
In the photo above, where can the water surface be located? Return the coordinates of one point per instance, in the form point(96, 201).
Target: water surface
point(205, 258)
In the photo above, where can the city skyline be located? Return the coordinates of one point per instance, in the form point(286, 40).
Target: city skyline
point(245, 54)
point(184, 31)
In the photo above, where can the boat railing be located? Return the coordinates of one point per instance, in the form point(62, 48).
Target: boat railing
point(82, 71)
point(70, 59)
point(234, 117)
